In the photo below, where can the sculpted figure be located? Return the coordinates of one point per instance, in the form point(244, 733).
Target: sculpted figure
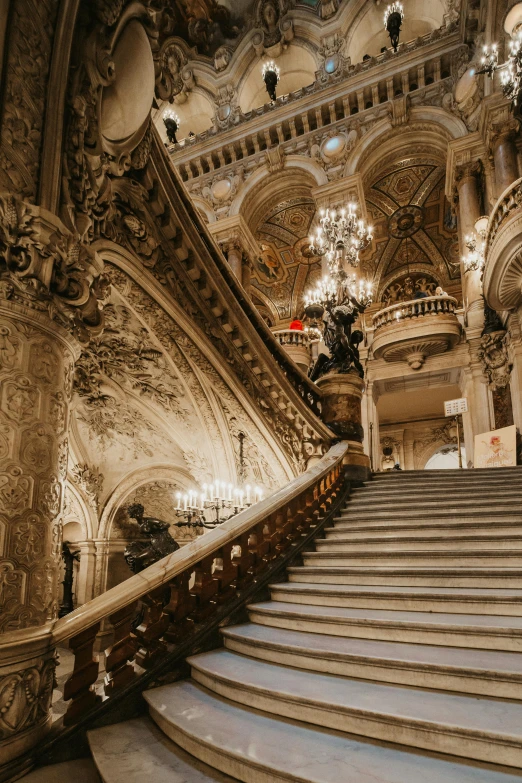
point(140, 555)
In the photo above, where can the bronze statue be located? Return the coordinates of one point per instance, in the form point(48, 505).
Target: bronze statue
point(140, 555)
point(342, 343)
point(68, 558)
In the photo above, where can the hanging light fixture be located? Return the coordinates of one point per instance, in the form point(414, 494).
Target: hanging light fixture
point(214, 504)
point(271, 74)
point(476, 244)
point(172, 123)
point(393, 17)
point(334, 304)
point(510, 71)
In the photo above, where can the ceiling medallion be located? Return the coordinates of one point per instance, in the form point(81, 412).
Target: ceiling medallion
point(406, 221)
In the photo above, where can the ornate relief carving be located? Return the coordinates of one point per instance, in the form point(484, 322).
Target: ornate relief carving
point(274, 30)
point(25, 698)
point(29, 36)
point(493, 353)
point(91, 481)
point(175, 78)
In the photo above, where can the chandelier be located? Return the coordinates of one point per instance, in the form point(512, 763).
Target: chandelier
point(214, 504)
point(271, 74)
point(393, 18)
point(333, 305)
point(510, 71)
point(340, 237)
point(172, 123)
point(476, 245)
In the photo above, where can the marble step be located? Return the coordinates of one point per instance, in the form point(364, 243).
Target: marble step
point(437, 599)
point(475, 727)
point(257, 748)
point(419, 513)
point(427, 528)
point(482, 672)
point(481, 558)
point(421, 520)
point(424, 503)
point(461, 474)
point(137, 750)
point(452, 541)
point(403, 575)
point(486, 632)
point(77, 771)
point(454, 488)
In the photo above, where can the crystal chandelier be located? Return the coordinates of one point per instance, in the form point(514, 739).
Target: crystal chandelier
point(214, 503)
point(393, 18)
point(340, 237)
point(271, 74)
point(474, 260)
point(172, 123)
point(510, 71)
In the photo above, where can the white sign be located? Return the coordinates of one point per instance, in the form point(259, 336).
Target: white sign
point(454, 407)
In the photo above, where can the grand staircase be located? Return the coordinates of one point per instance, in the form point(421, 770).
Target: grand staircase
point(392, 655)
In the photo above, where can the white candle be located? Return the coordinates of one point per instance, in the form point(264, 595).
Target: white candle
point(230, 488)
point(241, 498)
point(185, 499)
point(248, 494)
point(204, 492)
point(202, 501)
point(178, 498)
point(211, 492)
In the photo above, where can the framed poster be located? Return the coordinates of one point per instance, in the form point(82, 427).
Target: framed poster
point(497, 449)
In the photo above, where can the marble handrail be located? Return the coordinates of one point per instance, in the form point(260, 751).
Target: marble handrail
point(415, 308)
point(153, 611)
point(157, 574)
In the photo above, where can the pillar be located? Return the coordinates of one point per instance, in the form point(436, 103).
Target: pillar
point(341, 412)
point(371, 440)
point(505, 157)
point(37, 354)
point(468, 186)
point(235, 260)
point(515, 357)
point(84, 588)
point(474, 387)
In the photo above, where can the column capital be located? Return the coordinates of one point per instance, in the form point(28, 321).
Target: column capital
point(472, 169)
point(233, 233)
point(503, 132)
point(46, 268)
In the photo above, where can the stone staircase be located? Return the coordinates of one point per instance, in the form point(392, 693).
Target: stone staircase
point(392, 655)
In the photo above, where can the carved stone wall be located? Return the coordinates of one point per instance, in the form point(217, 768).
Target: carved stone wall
point(36, 376)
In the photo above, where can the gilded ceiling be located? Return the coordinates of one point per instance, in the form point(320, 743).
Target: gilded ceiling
point(415, 231)
point(282, 272)
point(209, 25)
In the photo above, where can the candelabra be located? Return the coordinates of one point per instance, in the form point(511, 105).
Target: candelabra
point(476, 245)
point(172, 123)
point(219, 500)
point(340, 237)
point(393, 18)
point(271, 74)
point(510, 71)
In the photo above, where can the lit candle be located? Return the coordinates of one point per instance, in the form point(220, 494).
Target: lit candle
point(211, 492)
point(185, 499)
point(241, 498)
point(178, 498)
point(230, 488)
point(248, 494)
point(216, 485)
point(202, 499)
point(258, 493)
point(204, 488)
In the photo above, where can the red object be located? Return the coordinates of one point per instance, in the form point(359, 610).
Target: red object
point(297, 325)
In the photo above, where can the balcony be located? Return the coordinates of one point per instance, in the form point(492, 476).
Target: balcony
point(412, 331)
point(502, 278)
point(297, 346)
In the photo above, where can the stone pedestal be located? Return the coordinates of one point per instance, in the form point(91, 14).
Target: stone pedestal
point(341, 401)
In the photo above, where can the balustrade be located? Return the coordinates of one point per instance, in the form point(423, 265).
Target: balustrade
point(416, 308)
point(167, 603)
point(290, 122)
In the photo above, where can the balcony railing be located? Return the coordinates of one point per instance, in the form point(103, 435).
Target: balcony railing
point(292, 337)
point(286, 121)
point(509, 201)
point(415, 308)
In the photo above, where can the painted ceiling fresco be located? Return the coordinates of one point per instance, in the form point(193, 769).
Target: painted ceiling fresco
point(283, 272)
point(208, 25)
point(414, 229)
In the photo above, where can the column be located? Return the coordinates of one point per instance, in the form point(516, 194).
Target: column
point(467, 178)
point(474, 386)
point(515, 356)
point(505, 156)
point(246, 274)
point(37, 357)
point(234, 257)
point(84, 588)
point(371, 417)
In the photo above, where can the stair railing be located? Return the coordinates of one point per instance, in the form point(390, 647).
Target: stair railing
point(177, 594)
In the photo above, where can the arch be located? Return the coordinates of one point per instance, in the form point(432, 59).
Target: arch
point(297, 65)
point(367, 35)
point(298, 172)
point(430, 127)
point(196, 114)
point(77, 509)
point(445, 457)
